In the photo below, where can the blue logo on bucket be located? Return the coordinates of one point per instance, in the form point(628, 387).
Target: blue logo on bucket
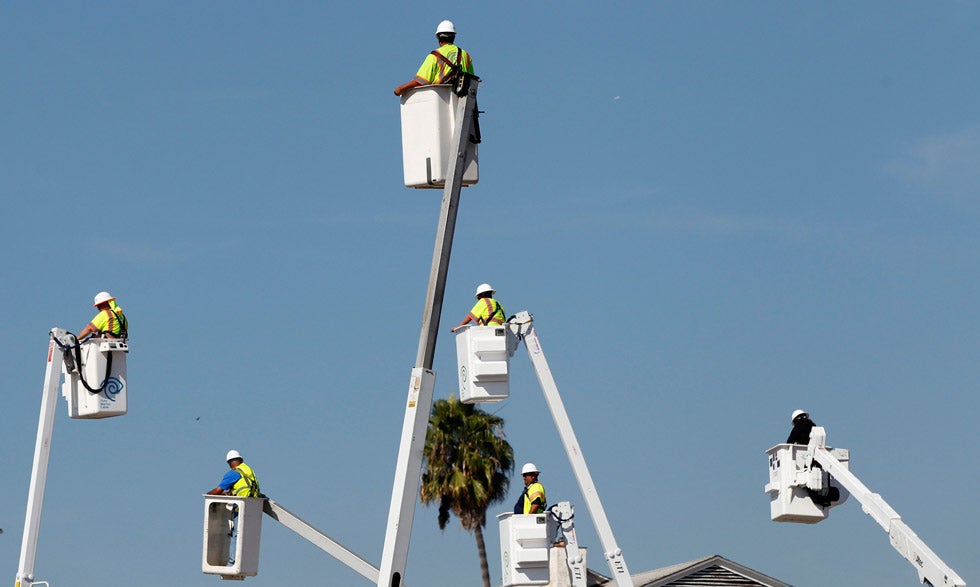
point(112, 388)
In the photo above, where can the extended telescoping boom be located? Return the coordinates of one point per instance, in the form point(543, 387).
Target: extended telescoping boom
point(522, 325)
point(408, 468)
point(95, 360)
point(796, 473)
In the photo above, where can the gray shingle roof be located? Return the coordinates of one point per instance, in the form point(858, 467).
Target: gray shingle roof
point(709, 571)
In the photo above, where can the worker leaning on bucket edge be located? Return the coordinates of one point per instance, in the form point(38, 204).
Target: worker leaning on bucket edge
point(110, 321)
point(239, 481)
point(487, 311)
point(436, 70)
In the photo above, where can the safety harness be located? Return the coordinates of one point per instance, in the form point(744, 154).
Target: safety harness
point(493, 308)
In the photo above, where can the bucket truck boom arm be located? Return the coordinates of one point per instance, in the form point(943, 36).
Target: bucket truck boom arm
point(523, 325)
point(101, 403)
point(39, 473)
point(797, 473)
point(931, 569)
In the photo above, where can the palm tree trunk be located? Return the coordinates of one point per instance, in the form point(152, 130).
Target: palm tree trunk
point(482, 547)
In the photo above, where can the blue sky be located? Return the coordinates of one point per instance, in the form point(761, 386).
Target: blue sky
point(717, 212)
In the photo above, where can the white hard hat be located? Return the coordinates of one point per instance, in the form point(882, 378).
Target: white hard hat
point(446, 26)
point(529, 468)
point(484, 288)
point(233, 454)
point(102, 297)
point(797, 413)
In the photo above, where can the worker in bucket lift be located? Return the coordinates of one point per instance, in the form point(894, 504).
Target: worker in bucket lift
point(240, 480)
point(110, 321)
point(486, 312)
point(802, 425)
point(532, 499)
point(800, 434)
point(439, 66)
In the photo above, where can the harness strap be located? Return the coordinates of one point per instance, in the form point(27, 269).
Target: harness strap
point(493, 308)
point(123, 324)
point(121, 319)
point(454, 69)
point(252, 483)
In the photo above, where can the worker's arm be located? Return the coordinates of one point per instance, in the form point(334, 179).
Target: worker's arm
point(85, 332)
point(407, 86)
point(227, 482)
point(475, 315)
point(467, 320)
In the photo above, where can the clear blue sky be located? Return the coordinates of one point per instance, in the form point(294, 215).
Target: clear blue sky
point(718, 212)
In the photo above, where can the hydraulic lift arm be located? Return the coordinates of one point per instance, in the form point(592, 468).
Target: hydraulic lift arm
point(39, 473)
point(320, 540)
point(105, 401)
point(408, 470)
point(523, 323)
point(564, 514)
point(932, 570)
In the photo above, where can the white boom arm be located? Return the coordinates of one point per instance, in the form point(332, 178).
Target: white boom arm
point(39, 473)
point(60, 362)
point(564, 514)
point(408, 469)
point(320, 540)
point(523, 325)
point(932, 570)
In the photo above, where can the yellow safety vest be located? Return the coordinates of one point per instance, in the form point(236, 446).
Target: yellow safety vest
point(111, 321)
point(487, 312)
point(247, 485)
point(534, 491)
point(434, 71)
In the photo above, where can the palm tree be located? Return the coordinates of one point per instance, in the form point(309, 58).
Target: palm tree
point(467, 467)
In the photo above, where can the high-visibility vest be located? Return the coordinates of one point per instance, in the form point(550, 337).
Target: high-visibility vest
point(247, 485)
point(111, 321)
point(534, 491)
point(434, 70)
point(488, 312)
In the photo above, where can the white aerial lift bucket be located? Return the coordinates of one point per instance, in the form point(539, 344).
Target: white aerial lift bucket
point(232, 535)
point(483, 356)
point(428, 122)
point(789, 500)
point(525, 544)
point(109, 380)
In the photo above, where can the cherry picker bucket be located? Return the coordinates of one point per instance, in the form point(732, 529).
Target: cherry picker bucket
point(97, 387)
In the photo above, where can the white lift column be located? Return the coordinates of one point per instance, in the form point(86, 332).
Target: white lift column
point(108, 402)
point(408, 469)
point(523, 325)
point(39, 472)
